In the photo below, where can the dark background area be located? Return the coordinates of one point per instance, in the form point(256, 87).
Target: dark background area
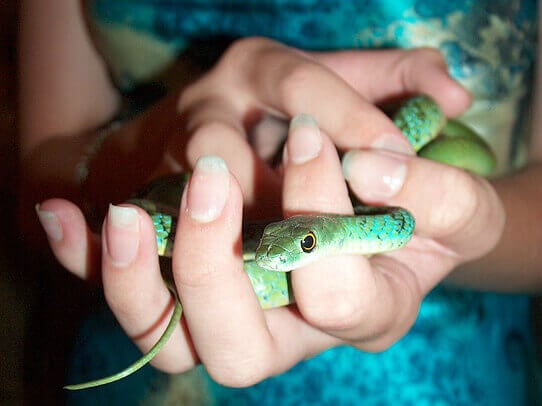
point(40, 303)
point(13, 298)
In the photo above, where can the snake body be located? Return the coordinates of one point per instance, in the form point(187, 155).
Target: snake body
point(271, 250)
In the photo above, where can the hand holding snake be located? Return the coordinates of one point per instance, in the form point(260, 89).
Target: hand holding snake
point(353, 300)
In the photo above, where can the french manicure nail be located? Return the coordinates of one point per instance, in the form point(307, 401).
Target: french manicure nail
point(304, 140)
point(50, 223)
point(375, 175)
point(122, 234)
point(208, 189)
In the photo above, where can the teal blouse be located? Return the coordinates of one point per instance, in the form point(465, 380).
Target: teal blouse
point(466, 347)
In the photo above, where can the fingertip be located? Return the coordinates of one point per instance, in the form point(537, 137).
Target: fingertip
point(71, 240)
point(452, 97)
point(60, 207)
point(121, 237)
point(315, 185)
point(459, 100)
point(304, 141)
point(130, 231)
point(130, 265)
point(202, 241)
point(50, 223)
point(375, 176)
point(429, 73)
point(135, 290)
point(212, 194)
point(208, 190)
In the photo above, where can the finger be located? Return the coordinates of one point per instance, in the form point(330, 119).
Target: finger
point(238, 343)
point(226, 323)
point(268, 136)
point(341, 295)
point(387, 74)
point(313, 183)
point(213, 127)
point(459, 210)
point(134, 288)
point(71, 240)
point(311, 161)
point(284, 81)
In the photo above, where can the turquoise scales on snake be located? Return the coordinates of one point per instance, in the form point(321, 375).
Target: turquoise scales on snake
point(299, 240)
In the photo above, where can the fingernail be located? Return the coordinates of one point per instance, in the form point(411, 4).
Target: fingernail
point(49, 222)
point(208, 189)
point(393, 143)
point(375, 175)
point(122, 234)
point(304, 140)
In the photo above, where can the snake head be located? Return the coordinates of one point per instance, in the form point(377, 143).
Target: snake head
point(291, 243)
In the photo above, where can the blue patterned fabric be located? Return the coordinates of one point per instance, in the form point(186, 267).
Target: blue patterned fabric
point(466, 347)
point(489, 45)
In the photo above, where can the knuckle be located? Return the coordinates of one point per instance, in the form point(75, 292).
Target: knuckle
point(237, 374)
point(208, 131)
point(295, 80)
point(386, 333)
point(354, 124)
point(124, 306)
point(206, 275)
point(187, 96)
point(172, 366)
point(392, 330)
point(379, 345)
point(335, 312)
point(243, 52)
point(415, 60)
point(196, 94)
point(427, 54)
point(247, 44)
point(237, 378)
point(214, 137)
point(239, 55)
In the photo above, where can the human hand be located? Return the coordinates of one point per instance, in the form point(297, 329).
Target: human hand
point(257, 76)
point(260, 75)
point(213, 116)
point(368, 303)
point(341, 300)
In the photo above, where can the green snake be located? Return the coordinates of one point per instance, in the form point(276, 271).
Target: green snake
point(271, 250)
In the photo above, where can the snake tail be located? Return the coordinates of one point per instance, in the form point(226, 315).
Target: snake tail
point(144, 360)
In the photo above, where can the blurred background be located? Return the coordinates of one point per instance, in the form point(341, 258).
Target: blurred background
point(13, 295)
point(39, 302)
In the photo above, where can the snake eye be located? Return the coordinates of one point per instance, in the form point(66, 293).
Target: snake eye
point(308, 242)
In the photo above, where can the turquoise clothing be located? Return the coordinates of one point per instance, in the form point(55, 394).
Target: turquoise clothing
point(466, 347)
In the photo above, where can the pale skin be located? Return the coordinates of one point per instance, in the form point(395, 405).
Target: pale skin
point(488, 232)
